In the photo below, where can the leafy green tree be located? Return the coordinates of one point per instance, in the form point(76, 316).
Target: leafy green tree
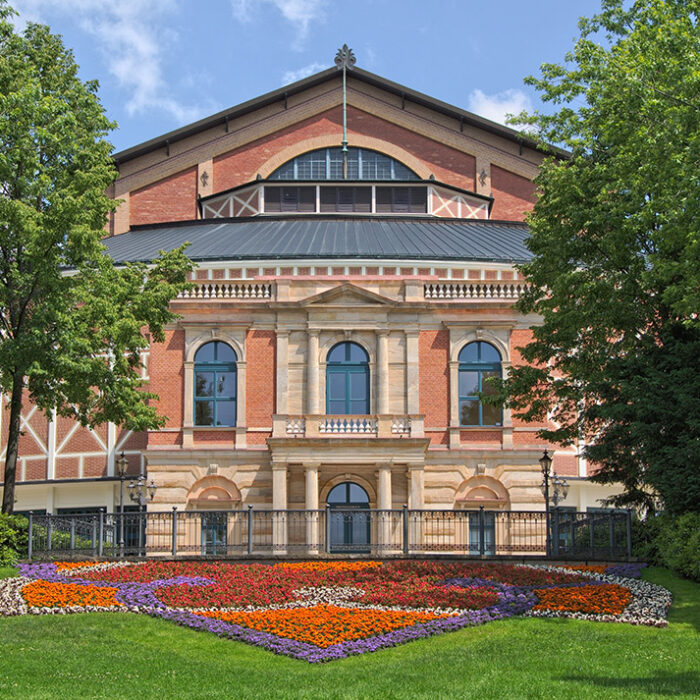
point(616, 269)
point(72, 326)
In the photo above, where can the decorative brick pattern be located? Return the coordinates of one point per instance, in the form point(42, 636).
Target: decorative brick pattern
point(433, 368)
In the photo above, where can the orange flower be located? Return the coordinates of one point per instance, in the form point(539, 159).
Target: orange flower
point(606, 599)
point(46, 594)
point(324, 625)
point(68, 565)
point(330, 565)
point(591, 568)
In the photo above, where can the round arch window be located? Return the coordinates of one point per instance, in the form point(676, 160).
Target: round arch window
point(347, 380)
point(477, 362)
point(215, 385)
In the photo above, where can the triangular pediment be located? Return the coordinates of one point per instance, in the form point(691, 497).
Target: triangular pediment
point(348, 296)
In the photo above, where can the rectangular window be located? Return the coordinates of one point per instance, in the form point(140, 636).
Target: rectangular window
point(346, 199)
point(411, 200)
point(288, 199)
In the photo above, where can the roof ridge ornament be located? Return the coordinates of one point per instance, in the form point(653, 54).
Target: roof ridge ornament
point(345, 58)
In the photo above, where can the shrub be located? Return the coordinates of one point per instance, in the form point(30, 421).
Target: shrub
point(679, 545)
point(13, 538)
point(670, 541)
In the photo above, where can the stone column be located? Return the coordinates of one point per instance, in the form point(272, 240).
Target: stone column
point(279, 505)
point(384, 504)
point(282, 372)
point(312, 517)
point(415, 476)
point(312, 373)
point(412, 379)
point(382, 371)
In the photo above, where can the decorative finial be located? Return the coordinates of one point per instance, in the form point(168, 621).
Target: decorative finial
point(345, 58)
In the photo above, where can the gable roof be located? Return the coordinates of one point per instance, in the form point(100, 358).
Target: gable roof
point(326, 237)
point(281, 95)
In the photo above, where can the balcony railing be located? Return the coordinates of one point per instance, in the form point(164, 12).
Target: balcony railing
point(379, 426)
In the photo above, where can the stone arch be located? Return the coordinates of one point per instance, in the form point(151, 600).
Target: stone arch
point(213, 491)
point(483, 335)
point(482, 490)
point(341, 337)
point(357, 140)
point(211, 336)
point(341, 478)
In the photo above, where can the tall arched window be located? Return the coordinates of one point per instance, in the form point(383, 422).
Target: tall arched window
point(477, 362)
point(215, 384)
point(347, 380)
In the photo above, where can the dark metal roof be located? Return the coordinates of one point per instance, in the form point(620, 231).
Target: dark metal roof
point(281, 95)
point(342, 237)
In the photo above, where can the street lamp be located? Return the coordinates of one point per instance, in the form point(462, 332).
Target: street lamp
point(122, 465)
point(560, 489)
point(142, 492)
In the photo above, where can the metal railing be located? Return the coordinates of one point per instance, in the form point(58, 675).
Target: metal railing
point(333, 531)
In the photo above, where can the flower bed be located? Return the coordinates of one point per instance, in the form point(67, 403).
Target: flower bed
point(320, 611)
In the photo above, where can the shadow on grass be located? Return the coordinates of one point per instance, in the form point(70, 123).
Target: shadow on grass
point(661, 683)
point(686, 596)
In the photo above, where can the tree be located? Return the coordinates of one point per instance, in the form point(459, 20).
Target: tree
point(71, 324)
point(615, 275)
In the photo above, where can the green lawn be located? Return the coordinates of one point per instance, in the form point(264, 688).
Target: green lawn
point(128, 656)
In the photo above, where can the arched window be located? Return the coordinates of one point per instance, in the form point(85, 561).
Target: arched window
point(478, 361)
point(215, 384)
point(347, 380)
point(328, 164)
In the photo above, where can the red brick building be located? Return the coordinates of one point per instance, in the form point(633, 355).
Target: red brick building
point(347, 307)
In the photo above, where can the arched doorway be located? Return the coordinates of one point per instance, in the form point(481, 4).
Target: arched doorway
point(349, 529)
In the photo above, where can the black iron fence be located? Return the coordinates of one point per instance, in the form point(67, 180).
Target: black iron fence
point(333, 531)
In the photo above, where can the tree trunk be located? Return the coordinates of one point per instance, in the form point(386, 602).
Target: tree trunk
point(8, 494)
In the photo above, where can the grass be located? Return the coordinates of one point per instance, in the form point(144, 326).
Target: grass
point(128, 656)
point(7, 571)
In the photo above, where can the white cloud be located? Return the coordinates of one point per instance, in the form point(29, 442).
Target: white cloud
point(291, 76)
point(299, 13)
point(497, 107)
point(132, 37)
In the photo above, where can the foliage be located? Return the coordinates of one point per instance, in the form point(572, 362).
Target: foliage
point(72, 326)
point(13, 538)
point(615, 276)
point(673, 542)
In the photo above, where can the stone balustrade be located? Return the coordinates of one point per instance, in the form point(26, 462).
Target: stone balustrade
point(320, 426)
point(464, 291)
point(229, 290)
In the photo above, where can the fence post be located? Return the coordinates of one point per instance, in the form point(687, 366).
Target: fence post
point(72, 533)
point(93, 536)
point(250, 529)
point(30, 535)
point(49, 531)
point(101, 533)
point(572, 535)
point(629, 533)
point(555, 532)
point(482, 531)
point(328, 529)
point(611, 528)
point(405, 529)
point(174, 532)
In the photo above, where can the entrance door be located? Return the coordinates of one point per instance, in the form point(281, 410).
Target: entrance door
point(475, 533)
point(214, 532)
point(350, 518)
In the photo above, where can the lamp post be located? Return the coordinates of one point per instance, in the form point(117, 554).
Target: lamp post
point(560, 489)
point(141, 492)
point(122, 465)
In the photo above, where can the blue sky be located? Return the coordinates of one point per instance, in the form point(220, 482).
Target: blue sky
point(162, 64)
